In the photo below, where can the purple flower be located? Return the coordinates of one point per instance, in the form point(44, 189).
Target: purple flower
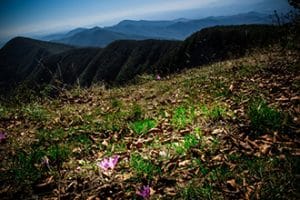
point(108, 163)
point(158, 77)
point(2, 136)
point(104, 164)
point(144, 192)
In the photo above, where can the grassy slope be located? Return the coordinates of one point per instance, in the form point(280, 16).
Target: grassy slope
point(201, 134)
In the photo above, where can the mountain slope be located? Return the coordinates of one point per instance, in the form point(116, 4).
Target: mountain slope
point(63, 68)
point(20, 56)
point(121, 61)
point(219, 43)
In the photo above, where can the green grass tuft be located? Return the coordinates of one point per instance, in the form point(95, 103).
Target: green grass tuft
point(216, 112)
point(262, 117)
point(192, 192)
point(136, 112)
point(36, 113)
point(182, 117)
point(190, 141)
point(142, 166)
point(58, 153)
point(142, 126)
point(24, 169)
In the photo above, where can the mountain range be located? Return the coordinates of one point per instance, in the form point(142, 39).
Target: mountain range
point(178, 29)
point(37, 63)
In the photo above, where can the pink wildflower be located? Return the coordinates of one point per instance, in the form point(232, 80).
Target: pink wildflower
point(158, 77)
point(144, 192)
point(108, 163)
point(2, 136)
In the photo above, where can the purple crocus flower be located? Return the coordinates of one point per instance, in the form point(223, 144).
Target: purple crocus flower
point(144, 192)
point(103, 164)
point(108, 163)
point(158, 77)
point(2, 136)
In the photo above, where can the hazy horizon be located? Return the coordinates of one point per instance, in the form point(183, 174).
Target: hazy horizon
point(32, 17)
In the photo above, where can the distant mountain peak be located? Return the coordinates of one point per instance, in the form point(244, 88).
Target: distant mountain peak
point(177, 29)
point(124, 22)
point(95, 28)
point(181, 20)
point(76, 30)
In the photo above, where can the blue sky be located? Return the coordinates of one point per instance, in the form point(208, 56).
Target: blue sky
point(23, 17)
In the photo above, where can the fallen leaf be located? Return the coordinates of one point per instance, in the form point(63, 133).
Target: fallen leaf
point(170, 191)
point(217, 158)
point(295, 98)
point(282, 98)
point(232, 183)
point(47, 182)
point(217, 131)
point(163, 154)
point(186, 131)
point(231, 88)
point(124, 176)
point(154, 130)
point(91, 197)
point(105, 143)
point(250, 190)
point(264, 149)
point(184, 163)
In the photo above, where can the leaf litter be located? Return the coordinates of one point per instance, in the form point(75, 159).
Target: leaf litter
point(225, 158)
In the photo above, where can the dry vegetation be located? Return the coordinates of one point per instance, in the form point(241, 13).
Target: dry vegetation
point(226, 131)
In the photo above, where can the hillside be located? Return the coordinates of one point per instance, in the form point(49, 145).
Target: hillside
point(228, 130)
point(21, 56)
point(121, 61)
point(219, 43)
point(65, 67)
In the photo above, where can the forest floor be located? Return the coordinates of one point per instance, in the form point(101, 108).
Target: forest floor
point(229, 130)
